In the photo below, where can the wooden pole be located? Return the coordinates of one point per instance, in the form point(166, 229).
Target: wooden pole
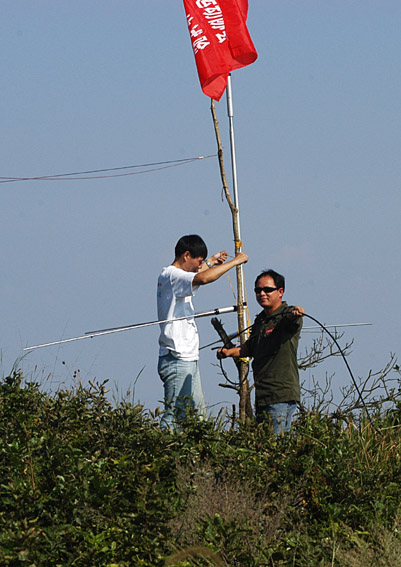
point(245, 407)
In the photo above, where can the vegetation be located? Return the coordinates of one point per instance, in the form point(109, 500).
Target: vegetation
point(88, 483)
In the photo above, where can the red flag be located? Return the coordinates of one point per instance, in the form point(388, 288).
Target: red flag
point(220, 40)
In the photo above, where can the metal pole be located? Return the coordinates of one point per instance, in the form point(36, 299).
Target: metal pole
point(230, 112)
point(238, 245)
point(91, 334)
point(245, 408)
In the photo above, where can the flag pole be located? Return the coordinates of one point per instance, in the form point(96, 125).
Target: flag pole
point(221, 43)
point(238, 241)
point(245, 406)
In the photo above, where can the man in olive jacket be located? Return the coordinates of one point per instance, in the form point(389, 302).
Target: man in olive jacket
point(273, 345)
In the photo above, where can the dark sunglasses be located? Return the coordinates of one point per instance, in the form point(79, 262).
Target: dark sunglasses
point(265, 289)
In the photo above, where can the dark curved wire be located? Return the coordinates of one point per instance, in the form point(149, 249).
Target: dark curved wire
point(339, 349)
point(346, 364)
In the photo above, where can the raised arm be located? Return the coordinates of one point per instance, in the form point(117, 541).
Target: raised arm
point(206, 276)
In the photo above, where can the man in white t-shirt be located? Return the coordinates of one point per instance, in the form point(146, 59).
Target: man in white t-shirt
point(179, 342)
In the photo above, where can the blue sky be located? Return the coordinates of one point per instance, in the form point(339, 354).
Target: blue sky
point(91, 85)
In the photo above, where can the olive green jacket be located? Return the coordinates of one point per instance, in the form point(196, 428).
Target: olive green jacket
point(273, 344)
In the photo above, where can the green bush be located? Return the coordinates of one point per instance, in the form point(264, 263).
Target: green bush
point(87, 483)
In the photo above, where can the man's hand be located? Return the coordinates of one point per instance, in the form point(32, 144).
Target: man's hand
point(221, 353)
point(297, 311)
point(219, 258)
point(234, 352)
point(241, 258)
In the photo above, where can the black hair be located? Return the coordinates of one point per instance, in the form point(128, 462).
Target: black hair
point(279, 280)
point(192, 243)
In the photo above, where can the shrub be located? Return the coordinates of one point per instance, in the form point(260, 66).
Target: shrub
point(85, 482)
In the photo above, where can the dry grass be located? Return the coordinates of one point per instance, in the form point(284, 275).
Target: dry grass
point(226, 498)
point(386, 552)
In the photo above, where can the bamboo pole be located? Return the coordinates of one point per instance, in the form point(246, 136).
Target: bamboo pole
point(245, 407)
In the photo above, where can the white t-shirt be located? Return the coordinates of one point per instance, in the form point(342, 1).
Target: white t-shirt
point(174, 299)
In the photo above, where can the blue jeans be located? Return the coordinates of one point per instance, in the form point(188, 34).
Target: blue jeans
point(182, 389)
point(280, 415)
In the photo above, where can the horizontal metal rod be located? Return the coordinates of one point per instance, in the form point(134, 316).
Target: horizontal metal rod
point(91, 334)
point(217, 311)
point(313, 327)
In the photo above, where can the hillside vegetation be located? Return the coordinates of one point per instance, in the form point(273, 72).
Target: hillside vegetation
point(88, 483)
